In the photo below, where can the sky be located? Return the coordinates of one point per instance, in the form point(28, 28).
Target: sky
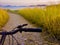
point(27, 2)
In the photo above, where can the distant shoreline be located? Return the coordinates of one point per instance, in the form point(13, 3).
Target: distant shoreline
point(16, 8)
point(12, 8)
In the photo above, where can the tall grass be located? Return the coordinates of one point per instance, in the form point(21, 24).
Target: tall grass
point(3, 17)
point(48, 19)
point(33, 15)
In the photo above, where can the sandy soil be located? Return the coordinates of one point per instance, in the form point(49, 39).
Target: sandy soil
point(24, 38)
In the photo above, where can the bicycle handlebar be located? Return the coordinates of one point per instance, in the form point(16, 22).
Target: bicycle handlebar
point(20, 29)
point(17, 29)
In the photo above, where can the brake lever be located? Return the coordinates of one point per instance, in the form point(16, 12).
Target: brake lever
point(20, 26)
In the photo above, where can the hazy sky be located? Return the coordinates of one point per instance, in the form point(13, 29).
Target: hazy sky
point(26, 2)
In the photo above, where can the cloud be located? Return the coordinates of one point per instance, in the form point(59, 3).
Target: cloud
point(26, 2)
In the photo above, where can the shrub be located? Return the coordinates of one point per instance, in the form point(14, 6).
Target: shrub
point(3, 17)
point(48, 19)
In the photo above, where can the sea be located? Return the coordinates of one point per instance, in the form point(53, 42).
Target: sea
point(20, 7)
point(13, 8)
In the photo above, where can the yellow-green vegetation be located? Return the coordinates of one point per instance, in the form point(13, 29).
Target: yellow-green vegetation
point(33, 15)
point(3, 17)
point(48, 18)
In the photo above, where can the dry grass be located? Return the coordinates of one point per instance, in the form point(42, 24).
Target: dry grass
point(3, 17)
point(48, 19)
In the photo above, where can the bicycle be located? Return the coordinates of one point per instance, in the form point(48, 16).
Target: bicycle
point(15, 30)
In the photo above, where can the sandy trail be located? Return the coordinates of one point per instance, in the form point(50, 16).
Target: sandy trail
point(14, 21)
point(24, 37)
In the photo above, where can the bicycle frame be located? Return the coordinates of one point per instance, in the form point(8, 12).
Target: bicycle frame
point(17, 29)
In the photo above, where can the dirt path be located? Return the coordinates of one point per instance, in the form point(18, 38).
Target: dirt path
point(16, 20)
point(26, 38)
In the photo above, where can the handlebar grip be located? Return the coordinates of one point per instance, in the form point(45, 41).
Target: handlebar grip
point(32, 29)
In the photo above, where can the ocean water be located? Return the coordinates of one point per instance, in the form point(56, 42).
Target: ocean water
point(15, 8)
point(19, 7)
point(12, 8)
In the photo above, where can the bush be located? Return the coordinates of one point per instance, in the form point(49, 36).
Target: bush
point(48, 19)
point(3, 17)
